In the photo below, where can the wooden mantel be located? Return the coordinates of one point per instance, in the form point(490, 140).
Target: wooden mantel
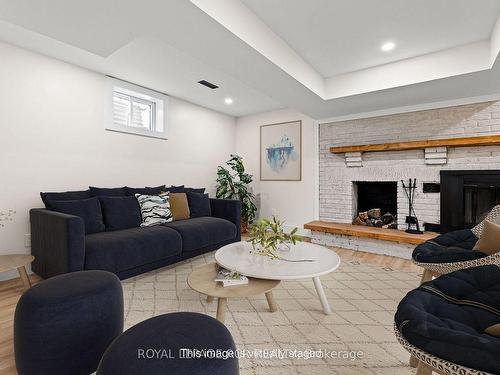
point(369, 232)
point(414, 145)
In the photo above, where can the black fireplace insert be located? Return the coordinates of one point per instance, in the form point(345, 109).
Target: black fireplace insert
point(467, 197)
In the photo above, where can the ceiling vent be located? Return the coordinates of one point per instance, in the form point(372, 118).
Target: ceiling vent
point(208, 84)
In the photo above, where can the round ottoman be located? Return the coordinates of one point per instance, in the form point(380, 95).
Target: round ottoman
point(64, 324)
point(166, 344)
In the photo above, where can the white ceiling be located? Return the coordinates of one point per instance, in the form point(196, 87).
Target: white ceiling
point(169, 45)
point(344, 36)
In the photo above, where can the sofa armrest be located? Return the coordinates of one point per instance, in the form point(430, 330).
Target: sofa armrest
point(229, 209)
point(57, 242)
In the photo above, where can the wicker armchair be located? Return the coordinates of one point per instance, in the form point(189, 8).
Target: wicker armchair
point(428, 363)
point(453, 251)
point(442, 323)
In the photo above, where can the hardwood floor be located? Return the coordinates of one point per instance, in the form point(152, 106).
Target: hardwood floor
point(11, 290)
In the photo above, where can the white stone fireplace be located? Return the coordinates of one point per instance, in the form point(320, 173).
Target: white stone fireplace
point(340, 173)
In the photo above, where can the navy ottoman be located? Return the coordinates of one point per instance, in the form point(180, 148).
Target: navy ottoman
point(63, 325)
point(155, 347)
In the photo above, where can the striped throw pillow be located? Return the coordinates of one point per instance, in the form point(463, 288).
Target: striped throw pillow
point(155, 209)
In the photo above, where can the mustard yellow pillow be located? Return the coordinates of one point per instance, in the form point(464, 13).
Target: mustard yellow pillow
point(489, 243)
point(179, 206)
point(493, 330)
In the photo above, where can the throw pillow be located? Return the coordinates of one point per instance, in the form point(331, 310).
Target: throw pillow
point(145, 191)
point(493, 216)
point(199, 204)
point(489, 242)
point(88, 209)
point(155, 209)
point(493, 330)
point(64, 196)
point(195, 190)
point(120, 212)
point(179, 206)
point(176, 189)
point(107, 192)
point(183, 189)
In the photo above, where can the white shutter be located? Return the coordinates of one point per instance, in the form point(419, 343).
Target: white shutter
point(131, 111)
point(121, 109)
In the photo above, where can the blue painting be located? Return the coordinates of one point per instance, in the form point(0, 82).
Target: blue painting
point(281, 151)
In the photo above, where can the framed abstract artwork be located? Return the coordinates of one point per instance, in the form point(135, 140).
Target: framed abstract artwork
point(281, 151)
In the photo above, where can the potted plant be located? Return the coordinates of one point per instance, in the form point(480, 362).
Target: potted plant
point(267, 236)
point(233, 183)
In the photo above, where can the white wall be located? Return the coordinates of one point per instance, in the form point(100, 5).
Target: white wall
point(53, 139)
point(293, 201)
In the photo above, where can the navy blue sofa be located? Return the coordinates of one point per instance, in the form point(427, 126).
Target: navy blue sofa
point(60, 244)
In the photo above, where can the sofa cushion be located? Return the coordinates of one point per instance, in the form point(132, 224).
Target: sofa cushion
point(203, 231)
point(88, 209)
point(64, 196)
point(155, 209)
point(107, 192)
point(183, 189)
point(489, 243)
point(120, 212)
point(199, 204)
point(179, 206)
point(493, 216)
point(126, 249)
point(176, 189)
point(447, 317)
point(145, 190)
point(448, 248)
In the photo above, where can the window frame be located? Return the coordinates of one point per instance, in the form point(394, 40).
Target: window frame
point(159, 125)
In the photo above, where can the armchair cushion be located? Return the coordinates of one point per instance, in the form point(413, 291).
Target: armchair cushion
point(88, 209)
point(448, 248)
point(447, 317)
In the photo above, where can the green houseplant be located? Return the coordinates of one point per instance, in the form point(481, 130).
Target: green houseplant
point(267, 236)
point(232, 183)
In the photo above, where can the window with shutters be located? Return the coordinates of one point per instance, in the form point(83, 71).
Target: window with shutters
point(136, 110)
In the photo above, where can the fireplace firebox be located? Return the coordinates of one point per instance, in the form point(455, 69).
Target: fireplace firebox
point(467, 197)
point(375, 203)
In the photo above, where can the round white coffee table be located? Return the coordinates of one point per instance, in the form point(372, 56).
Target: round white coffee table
point(237, 257)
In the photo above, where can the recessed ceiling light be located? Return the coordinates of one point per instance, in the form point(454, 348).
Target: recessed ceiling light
point(388, 46)
point(228, 101)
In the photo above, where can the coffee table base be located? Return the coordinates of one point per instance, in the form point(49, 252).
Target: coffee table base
point(222, 305)
point(322, 297)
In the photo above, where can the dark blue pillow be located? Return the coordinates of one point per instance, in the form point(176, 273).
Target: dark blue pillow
point(120, 212)
point(64, 196)
point(183, 189)
point(107, 192)
point(177, 189)
point(146, 190)
point(199, 204)
point(88, 209)
point(195, 190)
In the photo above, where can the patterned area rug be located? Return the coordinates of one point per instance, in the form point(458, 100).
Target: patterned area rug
point(363, 298)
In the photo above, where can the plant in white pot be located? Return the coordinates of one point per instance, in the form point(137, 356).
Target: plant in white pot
point(268, 236)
